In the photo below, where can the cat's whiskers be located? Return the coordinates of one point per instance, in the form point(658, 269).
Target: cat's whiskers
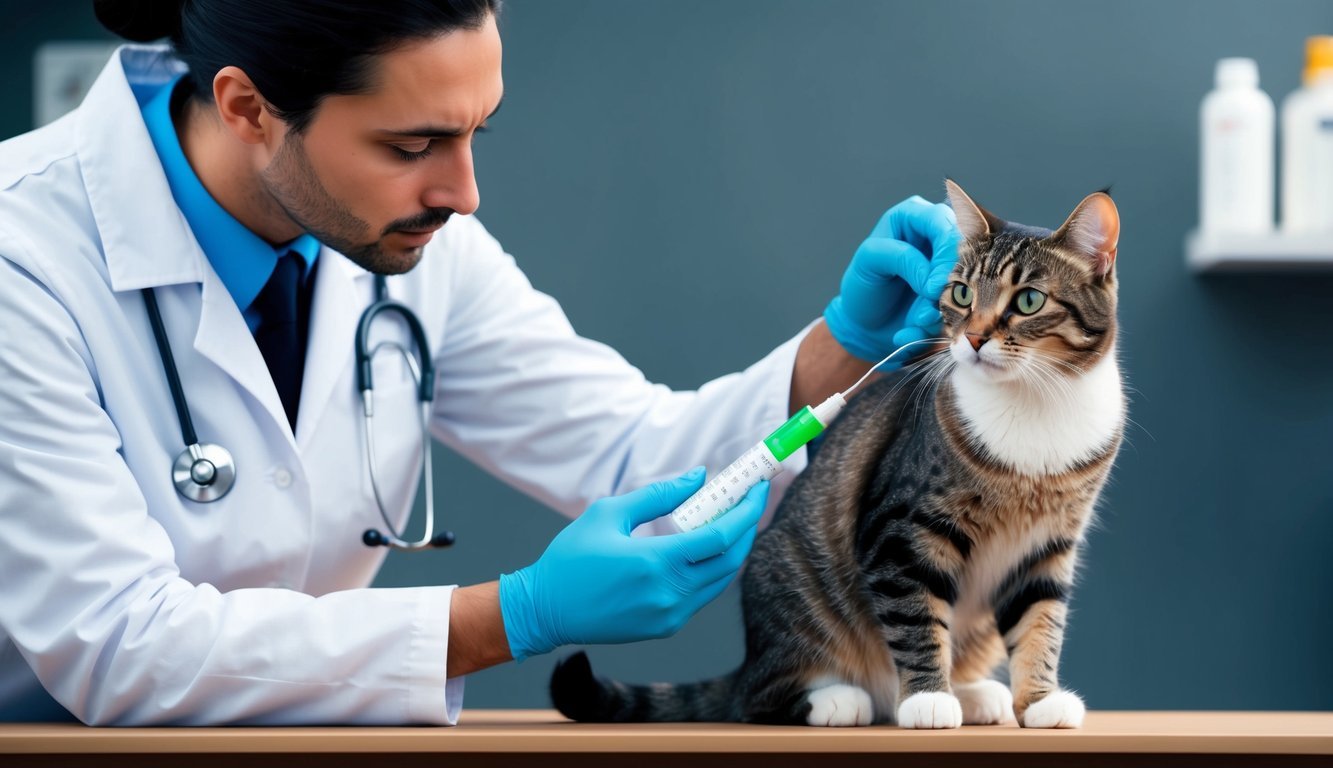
point(1051, 358)
point(1032, 378)
point(945, 369)
point(1057, 390)
point(929, 375)
point(919, 368)
point(915, 370)
point(1045, 358)
point(929, 383)
point(1041, 374)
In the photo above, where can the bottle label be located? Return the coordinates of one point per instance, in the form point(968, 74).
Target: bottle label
point(1238, 178)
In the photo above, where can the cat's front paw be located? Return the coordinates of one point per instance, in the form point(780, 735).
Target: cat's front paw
point(839, 705)
point(985, 702)
point(1060, 709)
point(934, 709)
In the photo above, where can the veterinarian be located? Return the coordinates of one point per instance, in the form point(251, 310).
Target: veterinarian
point(205, 266)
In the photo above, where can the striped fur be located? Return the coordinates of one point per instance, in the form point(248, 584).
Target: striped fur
point(937, 531)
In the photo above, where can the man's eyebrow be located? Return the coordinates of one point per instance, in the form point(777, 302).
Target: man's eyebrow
point(439, 132)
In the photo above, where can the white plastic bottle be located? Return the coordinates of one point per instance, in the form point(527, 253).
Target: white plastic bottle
point(1307, 145)
point(1236, 162)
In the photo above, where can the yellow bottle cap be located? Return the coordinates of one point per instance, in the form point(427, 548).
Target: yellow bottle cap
point(1318, 58)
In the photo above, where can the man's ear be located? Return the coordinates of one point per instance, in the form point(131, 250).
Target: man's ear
point(241, 106)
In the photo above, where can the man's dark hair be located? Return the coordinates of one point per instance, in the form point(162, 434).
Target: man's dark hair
point(295, 51)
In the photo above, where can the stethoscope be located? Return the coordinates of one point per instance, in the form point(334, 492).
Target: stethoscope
point(206, 472)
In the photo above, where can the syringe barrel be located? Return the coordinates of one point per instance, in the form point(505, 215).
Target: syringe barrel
point(727, 488)
point(762, 462)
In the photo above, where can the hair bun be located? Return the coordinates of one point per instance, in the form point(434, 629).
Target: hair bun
point(140, 20)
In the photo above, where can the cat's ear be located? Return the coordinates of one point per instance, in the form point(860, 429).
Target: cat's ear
point(974, 221)
point(1093, 230)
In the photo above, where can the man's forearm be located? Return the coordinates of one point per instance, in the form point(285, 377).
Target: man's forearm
point(822, 368)
point(477, 637)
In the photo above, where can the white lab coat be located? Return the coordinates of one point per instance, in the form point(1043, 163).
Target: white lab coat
point(125, 604)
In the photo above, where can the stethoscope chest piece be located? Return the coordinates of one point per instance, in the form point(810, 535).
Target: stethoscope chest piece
point(204, 472)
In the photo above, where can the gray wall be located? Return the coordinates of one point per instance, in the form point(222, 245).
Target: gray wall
point(689, 179)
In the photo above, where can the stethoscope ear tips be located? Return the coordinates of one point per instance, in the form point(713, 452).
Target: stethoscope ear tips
point(445, 539)
point(373, 538)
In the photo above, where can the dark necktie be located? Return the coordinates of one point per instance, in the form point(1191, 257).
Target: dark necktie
point(284, 310)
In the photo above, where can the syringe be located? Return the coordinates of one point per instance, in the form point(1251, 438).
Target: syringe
point(764, 460)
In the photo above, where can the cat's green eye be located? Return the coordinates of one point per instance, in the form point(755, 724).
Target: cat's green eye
point(1030, 300)
point(962, 295)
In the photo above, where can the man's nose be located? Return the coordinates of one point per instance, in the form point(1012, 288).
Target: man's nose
point(455, 186)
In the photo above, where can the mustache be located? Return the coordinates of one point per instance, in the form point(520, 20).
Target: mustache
point(423, 220)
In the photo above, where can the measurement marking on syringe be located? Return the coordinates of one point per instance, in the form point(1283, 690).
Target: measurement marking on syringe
point(728, 488)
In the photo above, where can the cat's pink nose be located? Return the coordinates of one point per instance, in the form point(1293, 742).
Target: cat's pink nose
point(976, 340)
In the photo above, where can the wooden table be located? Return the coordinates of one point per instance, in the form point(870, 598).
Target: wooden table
point(524, 737)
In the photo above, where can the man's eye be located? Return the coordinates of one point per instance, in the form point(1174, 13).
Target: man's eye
point(408, 153)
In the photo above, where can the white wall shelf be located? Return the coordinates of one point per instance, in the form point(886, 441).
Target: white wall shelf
point(1258, 254)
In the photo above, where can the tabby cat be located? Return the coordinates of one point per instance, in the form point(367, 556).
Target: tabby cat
point(936, 531)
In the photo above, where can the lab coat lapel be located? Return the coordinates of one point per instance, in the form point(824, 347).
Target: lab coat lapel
point(145, 238)
point(225, 339)
point(342, 291)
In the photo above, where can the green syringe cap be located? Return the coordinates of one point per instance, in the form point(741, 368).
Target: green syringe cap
point(802, 428)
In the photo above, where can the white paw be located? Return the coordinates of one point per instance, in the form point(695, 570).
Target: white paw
point(985, 702)
point(839, 705)
point(1061, 709)
point(935, 709)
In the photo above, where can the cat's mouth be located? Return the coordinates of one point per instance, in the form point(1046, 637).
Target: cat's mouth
point(982, 361)
point(994, 368)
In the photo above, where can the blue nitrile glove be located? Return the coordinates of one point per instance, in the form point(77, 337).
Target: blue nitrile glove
point(891, 291)
point(597, 584)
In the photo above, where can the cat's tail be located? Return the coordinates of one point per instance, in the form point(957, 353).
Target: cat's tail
point(581, 695)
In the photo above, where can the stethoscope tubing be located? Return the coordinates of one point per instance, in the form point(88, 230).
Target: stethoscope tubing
point(364, 355)
point(169, 368)
point(365, 384)
point(203, 472)
point(206, 472)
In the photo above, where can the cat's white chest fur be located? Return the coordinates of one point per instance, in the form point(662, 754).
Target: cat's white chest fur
point(1047, 428)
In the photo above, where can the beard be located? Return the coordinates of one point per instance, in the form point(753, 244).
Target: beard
point(292, 183)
